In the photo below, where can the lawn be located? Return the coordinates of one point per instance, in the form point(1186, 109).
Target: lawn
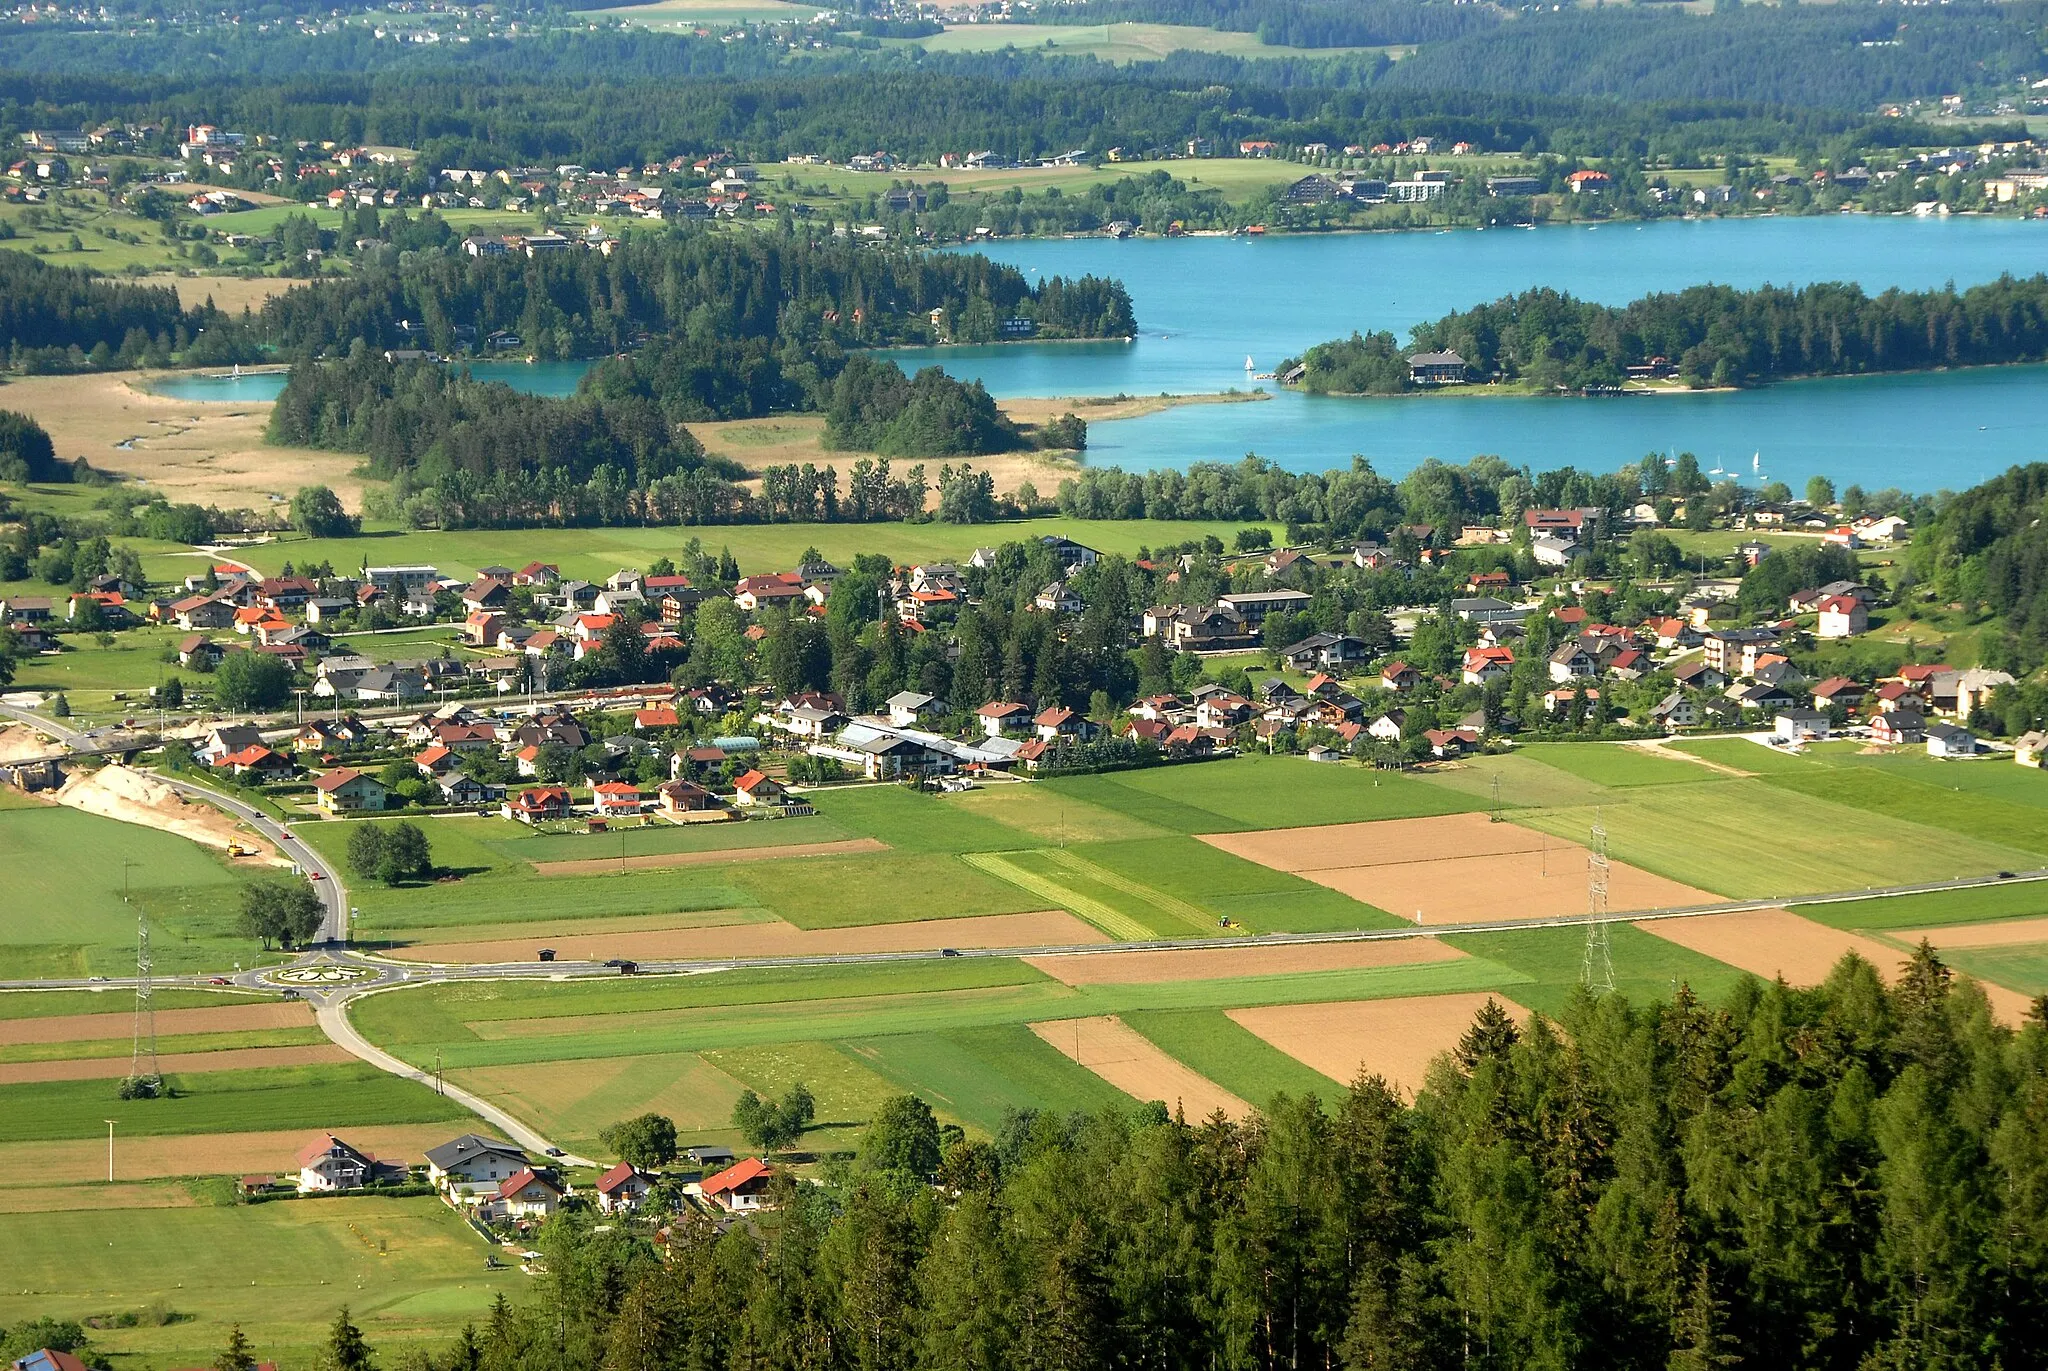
point(570, 1101)
point(1524, 781)
point(1217, 1046)
point(1551, 961)
point(62, 906)
point(2023, 968)
point(1996, 778)
point(133, 663)
point(1749, 839)
point(45, 1004)
point(594, 553)
point(1254, 897)
point(1744, 755)
point(293, 1097)
point(663, 838)
point(2020, 900)
point(166, 1043)
point(1119, 43)
point(877, 888)
point(856, 1007)
point(1922, 799)
point(910, 821)
point(1051, 814)
point(409, 1270)
point(1255, 792)
point(978, 1075)
point(1613, 764)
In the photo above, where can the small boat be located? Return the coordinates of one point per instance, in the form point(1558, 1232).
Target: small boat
point(1248, 363)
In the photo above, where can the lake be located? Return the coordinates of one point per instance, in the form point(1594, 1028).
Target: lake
point(1205, 304)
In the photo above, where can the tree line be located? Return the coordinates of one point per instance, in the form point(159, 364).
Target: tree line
point(784, 288)
point(67, 318)
point(1708, 335)
point(1989, 549)
point(1844, 1178)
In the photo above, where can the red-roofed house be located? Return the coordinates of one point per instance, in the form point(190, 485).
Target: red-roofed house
point(1450, 742)
point(999, 717)
point(755, 788)
point(1842, 616)
point(1056, 722)
point(1400, 677)
point(657, 716)
point(621, 1189)
point(434, 761)
point(327, 1163)
point(739, 1187)
point(537, 574)
point(524, 1196)
point(257, 759)
point(540, 802)
point(344, 790)
point(1483, 664)
point(616, 797)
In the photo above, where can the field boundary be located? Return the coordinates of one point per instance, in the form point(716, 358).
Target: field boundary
point(1110, 921)
point(1192, 914)
point(718, 856)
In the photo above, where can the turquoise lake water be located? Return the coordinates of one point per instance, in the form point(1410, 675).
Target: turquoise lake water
point(1205, 304)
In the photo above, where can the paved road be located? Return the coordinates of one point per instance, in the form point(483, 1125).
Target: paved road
point(332, 890)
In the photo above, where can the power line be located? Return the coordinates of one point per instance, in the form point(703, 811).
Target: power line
point(1596, 972)
point(144, 1078)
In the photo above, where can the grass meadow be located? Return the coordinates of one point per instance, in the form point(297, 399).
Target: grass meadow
point(2021, 900)
point(1255, 792)
point(1613, 764)
point(594, 553)
point(76, 882)
point(409, 1270)
point(289, 1097)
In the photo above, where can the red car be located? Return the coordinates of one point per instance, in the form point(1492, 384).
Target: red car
point(220, 980)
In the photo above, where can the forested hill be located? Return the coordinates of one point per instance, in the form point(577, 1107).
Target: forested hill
point(793, 290)
point(1712, 335)
point(1848, 56)
point(1989, 548)
point(1853, 1176)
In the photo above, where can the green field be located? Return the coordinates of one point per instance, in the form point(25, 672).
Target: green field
point(2019, 900)
point(1551, 960)
point(166, 1043)
point(62, 905)
point(295, 1097)
point(2023, 968)
point(1254, 897)
point(977, 1075)
point(1731, 837)
point(1613, 764)
point(44, 1004)
point(409, 1270)
point(1239, 1060)
point(1256, 792)
point(1745, 755)
point(1119, 43)
point(594, 553)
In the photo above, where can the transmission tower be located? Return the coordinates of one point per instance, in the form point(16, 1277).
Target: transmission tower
point(1597, 971)
point(143, 1077)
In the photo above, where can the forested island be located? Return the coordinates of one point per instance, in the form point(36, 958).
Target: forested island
point(1547, 341)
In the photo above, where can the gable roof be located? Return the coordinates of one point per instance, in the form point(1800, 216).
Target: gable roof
point(467, 1146)
point(514, 1184)
point(334, 780)
point(733, 1177)
point(613, 1180)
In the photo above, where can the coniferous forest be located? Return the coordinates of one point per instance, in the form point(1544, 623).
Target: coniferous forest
point(1708, 335)
point(1853, 1177)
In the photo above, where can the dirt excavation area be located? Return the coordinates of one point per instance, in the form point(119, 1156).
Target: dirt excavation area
point(85, 1028)
point(1232, 963)
point(1457, 868)
point(1396, 1038)
point(199, 451)
point(1776, 942)
point(118, 792)
point(18, 741)
point(1128, 1060)
point(774, 938)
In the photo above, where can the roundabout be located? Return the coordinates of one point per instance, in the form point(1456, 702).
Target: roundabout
point(321, 975)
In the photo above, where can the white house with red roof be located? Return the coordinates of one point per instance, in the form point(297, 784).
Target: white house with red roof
point(755, 787)
point(617, 798)
point(741, 1187)
point(621, 1189)
point(1842, 616)
point(528, 1195)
